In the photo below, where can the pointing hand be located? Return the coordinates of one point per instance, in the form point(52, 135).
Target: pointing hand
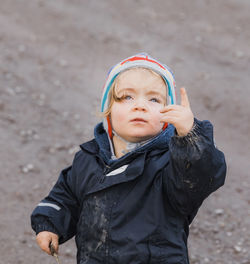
point(181, 116)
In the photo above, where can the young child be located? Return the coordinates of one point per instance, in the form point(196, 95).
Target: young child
point(132, 192)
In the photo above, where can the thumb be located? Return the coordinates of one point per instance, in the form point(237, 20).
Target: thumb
point(184, 98)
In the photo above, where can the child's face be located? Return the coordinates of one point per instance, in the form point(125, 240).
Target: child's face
point(136, 117)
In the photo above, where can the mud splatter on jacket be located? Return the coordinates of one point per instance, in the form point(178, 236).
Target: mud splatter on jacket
point(138, 208)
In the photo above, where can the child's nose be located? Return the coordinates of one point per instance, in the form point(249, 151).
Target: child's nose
point(140, 105)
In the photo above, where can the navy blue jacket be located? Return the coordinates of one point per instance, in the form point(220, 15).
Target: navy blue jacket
point(138, 208)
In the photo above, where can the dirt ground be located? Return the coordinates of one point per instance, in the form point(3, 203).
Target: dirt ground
point(54, 56)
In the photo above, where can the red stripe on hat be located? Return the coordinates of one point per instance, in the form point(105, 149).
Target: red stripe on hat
point(146, 59)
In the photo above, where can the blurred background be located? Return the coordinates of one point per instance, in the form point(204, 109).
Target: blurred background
point(54, 57)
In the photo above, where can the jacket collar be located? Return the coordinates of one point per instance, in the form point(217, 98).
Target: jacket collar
point(100, 145)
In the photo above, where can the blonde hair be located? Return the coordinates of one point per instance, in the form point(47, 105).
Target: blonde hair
point(112, 96)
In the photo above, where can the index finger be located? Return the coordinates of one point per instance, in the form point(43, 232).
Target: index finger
point(184, 98)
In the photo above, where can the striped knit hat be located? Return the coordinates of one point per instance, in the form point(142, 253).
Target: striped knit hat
point(142, 60)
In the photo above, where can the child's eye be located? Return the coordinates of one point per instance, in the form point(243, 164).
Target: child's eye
point(124, 97)
point(127, 97)
point(155, 100)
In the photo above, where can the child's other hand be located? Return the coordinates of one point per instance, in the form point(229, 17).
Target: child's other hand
point(181, 116)
point(44, 239)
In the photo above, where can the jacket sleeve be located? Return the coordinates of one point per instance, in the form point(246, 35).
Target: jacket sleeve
point(197, 168)
point(59, 211)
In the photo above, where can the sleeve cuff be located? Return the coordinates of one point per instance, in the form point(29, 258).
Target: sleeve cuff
point(43, 224)
point(190, 138)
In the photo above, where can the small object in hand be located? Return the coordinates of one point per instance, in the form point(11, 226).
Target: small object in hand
point(53, 252)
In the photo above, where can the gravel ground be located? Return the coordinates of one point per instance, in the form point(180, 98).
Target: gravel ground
point(54, 58)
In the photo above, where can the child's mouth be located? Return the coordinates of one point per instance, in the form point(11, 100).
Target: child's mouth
point(141, 120)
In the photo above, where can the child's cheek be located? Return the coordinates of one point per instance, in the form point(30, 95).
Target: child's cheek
point(156, 119)
point(118, 114)
point(156, 112)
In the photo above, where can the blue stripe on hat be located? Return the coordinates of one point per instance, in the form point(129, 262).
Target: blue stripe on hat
point(170, 94)
point(107, 92)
